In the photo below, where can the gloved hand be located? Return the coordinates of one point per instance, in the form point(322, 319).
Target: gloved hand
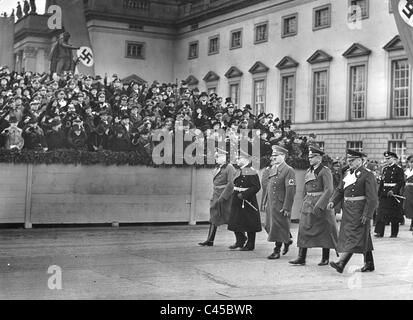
point(240, 196)
point(390, 193)
point(330, 205)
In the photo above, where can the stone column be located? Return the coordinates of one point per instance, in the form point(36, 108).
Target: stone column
point(29, 59)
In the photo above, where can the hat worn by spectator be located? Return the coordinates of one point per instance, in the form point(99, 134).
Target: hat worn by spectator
point(389, 154)
point(13, 119)
point(55, 122)
point(409, 157)
point(353, 154)
point(314, 151)
point(247, 107)
point(203, 94)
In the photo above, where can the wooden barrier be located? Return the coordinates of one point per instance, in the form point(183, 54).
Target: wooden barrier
point(68, 194)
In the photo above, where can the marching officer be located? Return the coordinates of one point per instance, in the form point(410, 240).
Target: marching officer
point(317, 227)
point(358, 189)
point(408, 191)
point(390, 204)
point(278, 201)
point(245, 214)
point(223, 187)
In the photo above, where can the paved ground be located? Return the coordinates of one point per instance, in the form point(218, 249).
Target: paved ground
point(164, 262)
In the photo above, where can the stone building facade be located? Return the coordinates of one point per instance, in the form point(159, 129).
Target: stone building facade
point(334, 68)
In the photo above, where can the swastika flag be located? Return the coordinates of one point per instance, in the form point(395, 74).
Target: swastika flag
point(403, 14)
point(74, 21)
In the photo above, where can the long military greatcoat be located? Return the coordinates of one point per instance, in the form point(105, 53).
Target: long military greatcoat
point(317, 227)
point(223, 182)
point(390, 210)
point(243, 217)
point(408, 193)
point(354, 237)
point(280, 191)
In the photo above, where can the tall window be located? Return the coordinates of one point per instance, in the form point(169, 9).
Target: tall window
point(234, 92)
point(289, 25)
point(212, 90)
point(399, 148)
point(193, 50)
point(320, 93)
point(236, 39)
point(364, 6)
point(322, 17)
point(355, 145)
point(213, 47)
point(400, 89)
point(287, 98)
point(259, 96)
point(261, 32)
point(135, 50)
point(358, 92)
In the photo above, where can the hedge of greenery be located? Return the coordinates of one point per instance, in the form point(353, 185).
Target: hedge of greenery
point(106, 157)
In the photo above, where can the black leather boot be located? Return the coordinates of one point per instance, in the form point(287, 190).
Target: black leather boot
point(340, 265)
point(250, 245)
point(368, 262)
point(411, 225)
point(211, 237)
point(240, 240)
point(287, 246)
point(276, 254)
point(394, 230)
point(325, 258)
point(300, 261)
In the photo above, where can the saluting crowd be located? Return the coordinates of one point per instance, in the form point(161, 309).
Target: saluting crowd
point(358, 189)
point(70, 111)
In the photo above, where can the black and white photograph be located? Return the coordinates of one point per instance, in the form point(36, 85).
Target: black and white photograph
point(206, 154)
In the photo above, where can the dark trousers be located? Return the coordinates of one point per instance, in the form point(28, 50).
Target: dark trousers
point(241, 238)
point(380, 226)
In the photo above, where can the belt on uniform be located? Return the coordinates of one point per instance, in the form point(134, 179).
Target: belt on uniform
point(409, 183)
point(220, 187)
point(355, 198)
point(389, 184)
point(314, 194)
point(240, 189)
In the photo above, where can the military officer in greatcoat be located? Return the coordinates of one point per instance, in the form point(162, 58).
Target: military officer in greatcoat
point(317, 227)
point(223, 187)
point(390, 203)
point(245, 214)
point(278, 201)
point(408, 190)
point(358, 189)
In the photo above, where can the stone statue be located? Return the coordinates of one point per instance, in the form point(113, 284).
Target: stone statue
point(33, 7)
point(19, 12)
point(62, 56)
point(26, 7)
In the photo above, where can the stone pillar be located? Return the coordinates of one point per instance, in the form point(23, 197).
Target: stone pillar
point(29, 59)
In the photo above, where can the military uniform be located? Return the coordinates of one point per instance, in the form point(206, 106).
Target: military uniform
point(408, 193)
point(318, 227)
point(358, 189)
point(220, 205)
point(245, 216)
point(279, 196)
point(390, 208)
